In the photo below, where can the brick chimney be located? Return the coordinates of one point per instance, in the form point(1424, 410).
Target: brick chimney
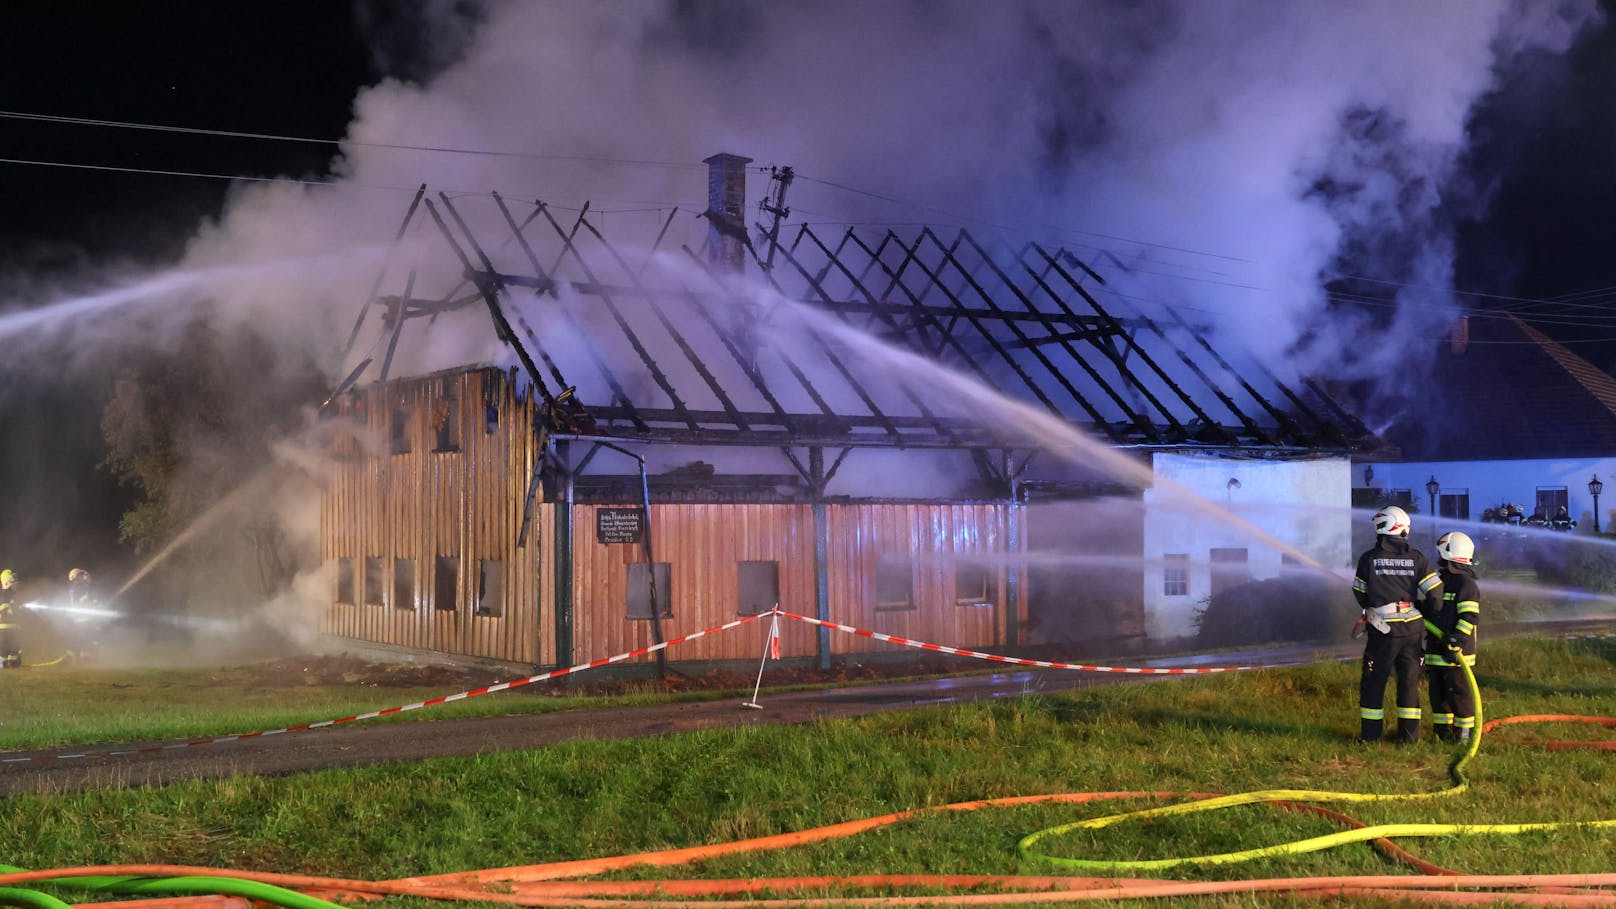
point(1459, 336)
point(726, 210)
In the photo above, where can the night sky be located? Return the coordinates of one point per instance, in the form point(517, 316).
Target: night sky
point(1545, 146)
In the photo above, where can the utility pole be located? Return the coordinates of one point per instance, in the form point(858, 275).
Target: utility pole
point(774, 203)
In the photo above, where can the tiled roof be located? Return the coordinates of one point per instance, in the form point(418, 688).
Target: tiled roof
point(1512, 392)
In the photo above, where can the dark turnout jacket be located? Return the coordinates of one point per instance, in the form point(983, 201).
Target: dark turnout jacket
point(1458, 617)
point(1392, 583)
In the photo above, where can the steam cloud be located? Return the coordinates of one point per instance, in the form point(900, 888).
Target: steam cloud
point(1256, 150)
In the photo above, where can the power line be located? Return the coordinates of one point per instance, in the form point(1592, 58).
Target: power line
point(397, 146)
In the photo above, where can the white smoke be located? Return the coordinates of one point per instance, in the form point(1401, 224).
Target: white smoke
point(1234, 155)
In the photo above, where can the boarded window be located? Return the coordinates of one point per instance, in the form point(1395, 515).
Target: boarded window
point(446, 418)
point(639, 590)
point(1176, 575)
point(490, 588)
point(345, 591)
point(446, 583)
point(375, 581)
point(971, 581)
point(894, 584)
point(759, 584)
point(401, 430)
point(403, 583)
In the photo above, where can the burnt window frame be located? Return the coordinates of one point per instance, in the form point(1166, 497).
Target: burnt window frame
point(754, 567)
point(490, 589)
point(636, 605)
point(888, 571)
point(345, 582)
point(375, 581)
point(404, 586)
point(451, 602)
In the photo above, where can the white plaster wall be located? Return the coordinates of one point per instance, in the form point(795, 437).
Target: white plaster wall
point(1492, 483)
point(1302, 506)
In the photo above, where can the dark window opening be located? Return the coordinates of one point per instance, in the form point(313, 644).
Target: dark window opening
point(1229, 569)
point(490, 588)
point(1552, 502)
point(401, 430)
point(404, 584)
point(446, 584)
point(490, 408)
point(759, 585)
point(1454, 503)
point(345, 585)
point(446, 418)
point(639, 590)
point(894, 584)
point(375, 581)
point(1176, 574)
point(971, 580)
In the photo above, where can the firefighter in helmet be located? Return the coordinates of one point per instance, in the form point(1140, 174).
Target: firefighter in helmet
point(1452, 638)
point(10, 644)
point(1394, 581)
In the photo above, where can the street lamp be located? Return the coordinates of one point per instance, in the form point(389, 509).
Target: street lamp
point(1432, 487)
point(1594, 489)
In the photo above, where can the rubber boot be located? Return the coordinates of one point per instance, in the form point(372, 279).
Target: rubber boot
point(1408, 732)
point(1369, 731)
point(1463, 737)
point(1445, 732)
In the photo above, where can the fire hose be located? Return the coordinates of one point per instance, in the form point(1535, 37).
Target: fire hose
point(536, 885)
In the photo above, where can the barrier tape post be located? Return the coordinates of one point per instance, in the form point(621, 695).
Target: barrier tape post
point(771, 648)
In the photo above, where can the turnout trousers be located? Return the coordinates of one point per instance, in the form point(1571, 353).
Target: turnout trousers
point(1385, 654)
point(1453, 710)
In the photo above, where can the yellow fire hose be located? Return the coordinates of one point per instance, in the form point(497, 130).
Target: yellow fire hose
point(1297, 847)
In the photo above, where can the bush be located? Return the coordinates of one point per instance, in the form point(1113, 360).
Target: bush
point(1291, 607)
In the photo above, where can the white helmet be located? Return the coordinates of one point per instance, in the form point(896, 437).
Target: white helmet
point(1456, 547)
point(1392, 521)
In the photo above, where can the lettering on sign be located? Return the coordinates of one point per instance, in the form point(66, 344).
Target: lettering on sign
point(619, 525)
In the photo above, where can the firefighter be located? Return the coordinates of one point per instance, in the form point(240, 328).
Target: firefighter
point(1452, 638)
point(1393, 581)
point(10, 645)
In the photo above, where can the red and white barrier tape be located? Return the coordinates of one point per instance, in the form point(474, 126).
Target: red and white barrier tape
point(430, 702)
point(557, 673)
point(997, 658)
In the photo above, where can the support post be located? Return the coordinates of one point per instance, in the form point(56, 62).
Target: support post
point(562, 569)
point(816, 470)
point(1012, 580)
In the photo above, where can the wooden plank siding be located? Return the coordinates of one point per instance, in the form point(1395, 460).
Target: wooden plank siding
point(423, 503)
point(467, 503)
point(704, 544)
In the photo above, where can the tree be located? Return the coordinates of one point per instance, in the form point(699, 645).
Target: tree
point(193, 431)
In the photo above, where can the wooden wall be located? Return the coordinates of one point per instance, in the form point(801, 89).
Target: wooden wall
point(704, 543)
point(468, 502)
point(426, 503)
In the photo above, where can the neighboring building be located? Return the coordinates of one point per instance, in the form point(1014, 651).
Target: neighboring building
point(1531, 424)
point(885, 431)
point(1196, 552)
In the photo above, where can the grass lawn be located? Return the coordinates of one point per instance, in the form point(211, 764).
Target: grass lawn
point(1288, 728)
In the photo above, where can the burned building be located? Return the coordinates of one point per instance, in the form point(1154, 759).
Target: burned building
point(704, 421)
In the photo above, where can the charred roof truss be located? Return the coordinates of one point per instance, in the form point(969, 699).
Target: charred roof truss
point(666, 345)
